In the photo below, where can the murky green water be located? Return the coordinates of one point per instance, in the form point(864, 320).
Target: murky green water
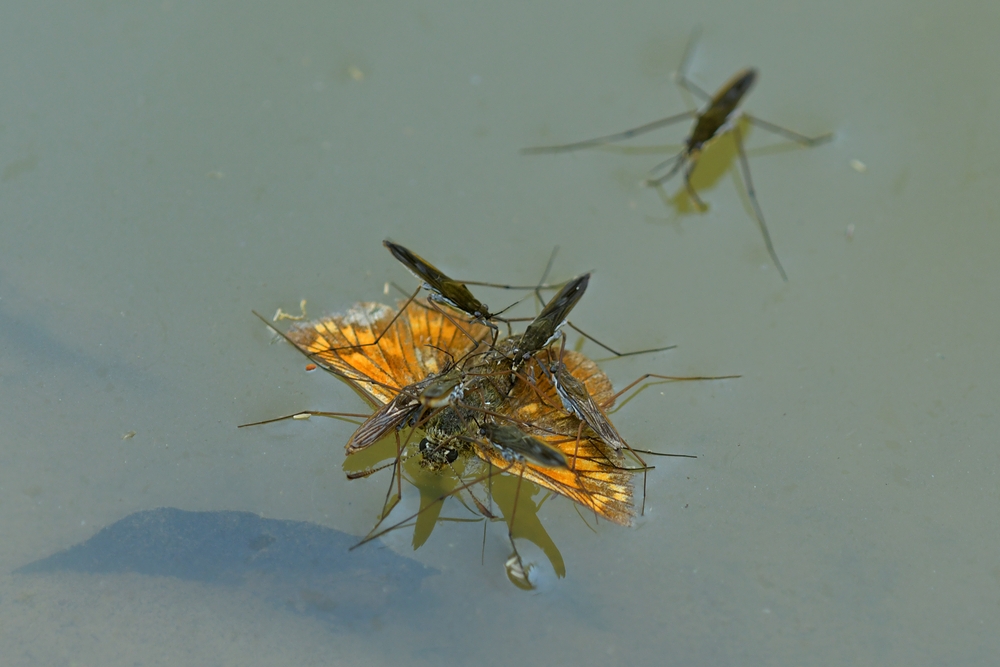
point(165, 169)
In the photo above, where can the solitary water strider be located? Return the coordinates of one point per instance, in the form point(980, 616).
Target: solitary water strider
point(720, 115)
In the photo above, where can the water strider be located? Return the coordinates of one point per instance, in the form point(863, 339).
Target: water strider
point(515, 444)
point(442, 288)
point(544, 328)
point(720, 115)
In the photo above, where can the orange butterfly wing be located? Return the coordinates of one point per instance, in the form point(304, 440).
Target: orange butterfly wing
point(422, 340)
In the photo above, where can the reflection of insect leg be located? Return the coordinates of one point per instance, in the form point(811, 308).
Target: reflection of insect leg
point(397, 480)
point(440, 499)
point(487, 512)
point(514, 565)
point(516, 571)
point(421, 418)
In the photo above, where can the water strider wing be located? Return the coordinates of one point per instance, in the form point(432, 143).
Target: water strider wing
point(577, 400)
point(383, 421)
point(594, 478)
point(449, 291)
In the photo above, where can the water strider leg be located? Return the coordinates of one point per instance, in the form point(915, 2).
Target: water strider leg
point(306, 414)
point(688, 172)
point(372, 535)
point(614, 351)
point(678, 162)
point(668, 378)
point(610, 138)
point(751, 193)
point(680, 76)
point(789, 134)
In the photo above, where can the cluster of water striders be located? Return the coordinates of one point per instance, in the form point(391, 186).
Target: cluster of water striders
point(450, 377)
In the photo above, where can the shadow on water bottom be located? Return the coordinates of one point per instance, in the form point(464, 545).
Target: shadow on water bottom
point(295, 564)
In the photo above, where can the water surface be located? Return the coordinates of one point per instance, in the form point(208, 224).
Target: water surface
point(167, 168)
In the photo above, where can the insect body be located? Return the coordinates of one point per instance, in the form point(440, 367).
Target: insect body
point(482, 409)
point(720, 108)
point(546, 325)
point(516, 444)
point(578, 401)
point(443, 289)
point(414, 401)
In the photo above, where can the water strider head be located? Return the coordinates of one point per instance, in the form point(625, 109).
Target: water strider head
point(434, 456)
